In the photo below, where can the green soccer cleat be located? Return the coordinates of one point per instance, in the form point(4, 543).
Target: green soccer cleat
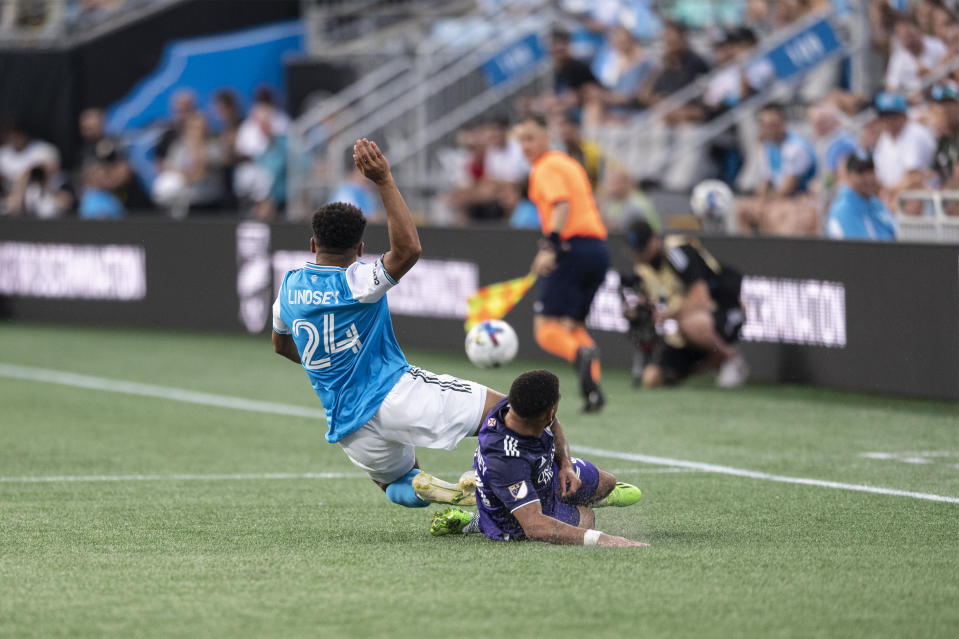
point(451, 521)
point(623, 495)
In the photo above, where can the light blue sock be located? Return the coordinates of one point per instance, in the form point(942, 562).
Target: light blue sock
point(401, 491)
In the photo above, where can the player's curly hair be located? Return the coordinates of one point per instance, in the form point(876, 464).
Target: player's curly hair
point(533, 393)
point(338, 226)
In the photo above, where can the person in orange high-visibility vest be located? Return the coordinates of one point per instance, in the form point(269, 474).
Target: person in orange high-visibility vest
point(572, 259)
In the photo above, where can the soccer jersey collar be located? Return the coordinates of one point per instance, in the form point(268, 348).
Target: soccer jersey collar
point(324, 267)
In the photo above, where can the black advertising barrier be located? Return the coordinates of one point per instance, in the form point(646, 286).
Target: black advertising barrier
point(150, 273)
point(875, 317)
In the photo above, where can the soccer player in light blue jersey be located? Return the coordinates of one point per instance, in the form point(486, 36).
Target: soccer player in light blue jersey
point(332, 317)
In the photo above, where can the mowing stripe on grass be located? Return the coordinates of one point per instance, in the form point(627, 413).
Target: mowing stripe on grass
point(239, 403)
point(752, 474)
point(149, 390)
point(176, 477)
point(45, 479)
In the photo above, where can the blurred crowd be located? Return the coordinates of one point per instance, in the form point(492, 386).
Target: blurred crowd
point(825, 160)
point(489, 175)
point(216, 161)
point(817, 159)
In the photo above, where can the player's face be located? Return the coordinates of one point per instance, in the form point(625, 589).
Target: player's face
point(533, 139)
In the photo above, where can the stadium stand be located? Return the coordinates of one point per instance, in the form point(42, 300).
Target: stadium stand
point(668, 91)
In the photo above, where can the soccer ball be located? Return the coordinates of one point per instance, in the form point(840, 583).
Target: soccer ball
point(491, 343)
point(712, 200)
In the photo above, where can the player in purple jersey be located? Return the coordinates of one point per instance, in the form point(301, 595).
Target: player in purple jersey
point(527, 485)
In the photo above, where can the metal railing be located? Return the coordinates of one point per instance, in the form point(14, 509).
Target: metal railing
point(387, 81)
point(938, 219)
point(410, 104)
point(372, 27)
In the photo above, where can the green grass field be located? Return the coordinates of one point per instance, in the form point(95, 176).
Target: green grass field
point(156, 517)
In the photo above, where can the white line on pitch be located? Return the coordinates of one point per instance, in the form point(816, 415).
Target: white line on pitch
point(176, 477)
point(239, 403)
point(752, 474)
point(649, 471)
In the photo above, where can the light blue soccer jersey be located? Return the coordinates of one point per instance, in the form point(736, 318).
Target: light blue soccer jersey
point(793, 157)
point(340, 322)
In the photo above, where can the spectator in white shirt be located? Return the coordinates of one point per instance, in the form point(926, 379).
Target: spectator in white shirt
point(504, 160)
point(913, 56)
point(904, 151)
point(728, 87)
point(29, 174)
point(251, 141)
point(256, 173)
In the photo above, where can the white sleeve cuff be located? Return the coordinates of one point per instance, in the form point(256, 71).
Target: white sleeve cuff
point(279, 326)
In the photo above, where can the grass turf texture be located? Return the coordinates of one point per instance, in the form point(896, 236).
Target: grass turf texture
point(730, 556)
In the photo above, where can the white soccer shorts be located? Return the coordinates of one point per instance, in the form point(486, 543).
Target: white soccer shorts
point(423, 409)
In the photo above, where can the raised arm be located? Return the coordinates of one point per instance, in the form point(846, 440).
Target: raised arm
point(405, 246)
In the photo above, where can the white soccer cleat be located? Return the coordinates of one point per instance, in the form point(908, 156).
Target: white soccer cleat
point(733, 373)
point(467, 482)
point(432, 489)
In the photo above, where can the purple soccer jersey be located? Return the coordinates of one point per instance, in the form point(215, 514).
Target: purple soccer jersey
point(514, 470)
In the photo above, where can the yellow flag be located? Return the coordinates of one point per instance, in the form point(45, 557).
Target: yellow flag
point(496, 300)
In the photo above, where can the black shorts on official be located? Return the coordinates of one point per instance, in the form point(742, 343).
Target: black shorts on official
point(680, 363)
point(569, 290)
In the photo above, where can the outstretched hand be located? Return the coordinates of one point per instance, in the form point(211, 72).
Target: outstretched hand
point(611, 541)
point(371, 161)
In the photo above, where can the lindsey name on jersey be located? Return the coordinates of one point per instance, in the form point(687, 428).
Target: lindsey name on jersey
point(512, 470)
point(306, 296)
point(340, 321)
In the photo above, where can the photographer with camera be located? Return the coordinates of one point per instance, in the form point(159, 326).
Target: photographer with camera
point(684, 311)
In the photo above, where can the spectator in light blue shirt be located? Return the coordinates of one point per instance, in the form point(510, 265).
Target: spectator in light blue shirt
point(355, 190)
point(521, 211)
point(783, 204)
point(790, 159)
point(857, 213)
